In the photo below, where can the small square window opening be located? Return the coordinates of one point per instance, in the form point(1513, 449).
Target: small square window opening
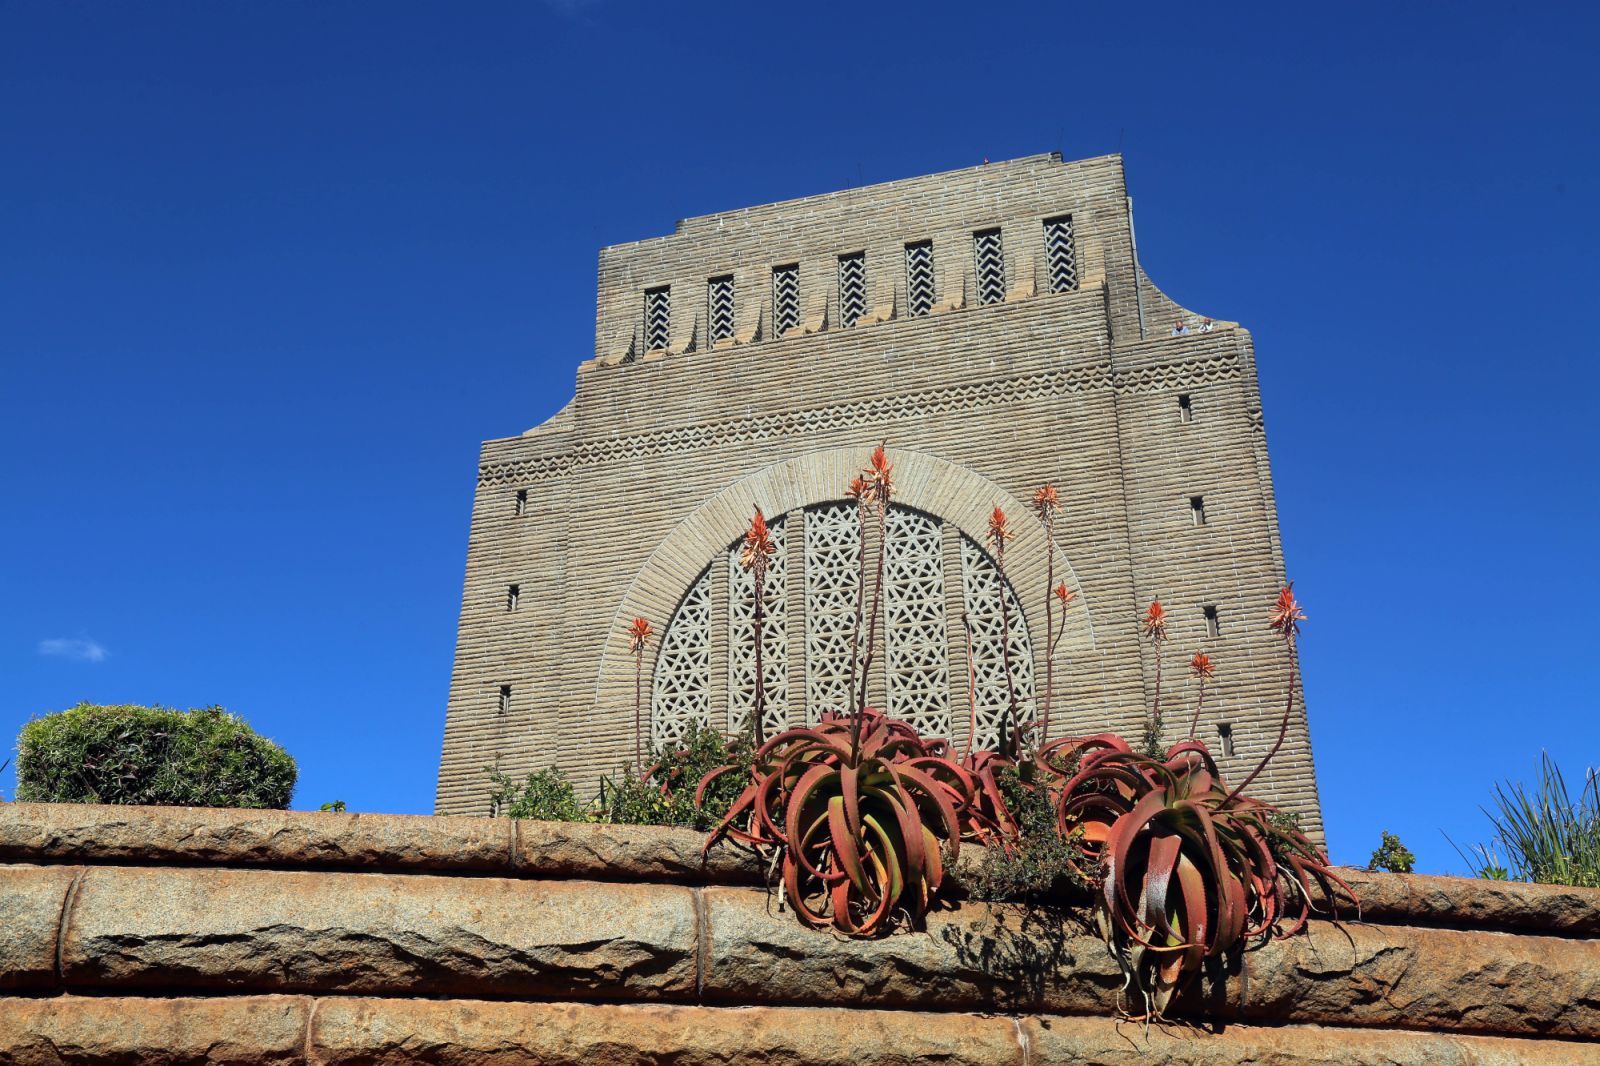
point(1213, 625)
point(1197, 509)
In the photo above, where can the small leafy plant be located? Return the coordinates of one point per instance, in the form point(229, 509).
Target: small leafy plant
point(1392, 856)
point(546, 795)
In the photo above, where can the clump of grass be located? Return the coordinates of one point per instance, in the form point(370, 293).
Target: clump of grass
point(1547, 835)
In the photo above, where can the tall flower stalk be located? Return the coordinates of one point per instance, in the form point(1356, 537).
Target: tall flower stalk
point(1155, 631)
point(1046, 504)
point(638, 637)
point(999, 533)
point(1200, 666)
point(860, 493)
point(1285, 620)
point(879, 478)
point(758, 549)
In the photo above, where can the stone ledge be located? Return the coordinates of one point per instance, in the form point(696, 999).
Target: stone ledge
point(271, 931)
point(89, 834)
point(93, 834)
point(274, 1030)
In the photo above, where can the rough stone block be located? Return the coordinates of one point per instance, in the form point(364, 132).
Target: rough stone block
point(237, 1031)
point(96, 833)
point(31, 901)
point(261, 930)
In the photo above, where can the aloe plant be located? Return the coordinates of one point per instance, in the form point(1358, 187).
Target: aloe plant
point(864, 813)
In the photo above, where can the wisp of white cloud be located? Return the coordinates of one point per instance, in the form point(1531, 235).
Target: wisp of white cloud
point(88, 651)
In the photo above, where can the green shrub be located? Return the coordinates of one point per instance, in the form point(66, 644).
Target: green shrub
point(1393, 856)
point(151, 755)
point(1040, 866)
point(545, 795)
point(663, 793)
point(1548, 836)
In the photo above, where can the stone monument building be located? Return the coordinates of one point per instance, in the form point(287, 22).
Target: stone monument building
point(993, 326)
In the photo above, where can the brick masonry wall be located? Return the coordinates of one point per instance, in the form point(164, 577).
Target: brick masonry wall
point(634, 486)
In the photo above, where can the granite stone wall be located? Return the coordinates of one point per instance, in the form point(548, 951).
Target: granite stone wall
point(173, 935)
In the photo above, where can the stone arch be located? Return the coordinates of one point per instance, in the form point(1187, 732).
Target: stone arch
point(958, 495)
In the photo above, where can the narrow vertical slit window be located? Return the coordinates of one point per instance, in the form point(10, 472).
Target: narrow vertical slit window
point(657, 317)
point(513, 596)
point(1061, 254)
point(505, 699)
point(1213, 624)
point(1225, 734)
point(989, 266)
point(852, 288)
point(520, 508)
point(1197, 509)
point(785, 298)
point(1185, 408)
point(719, 308)
point(919, 278)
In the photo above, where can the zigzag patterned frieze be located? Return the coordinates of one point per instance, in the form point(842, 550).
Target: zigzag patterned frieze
point(940, 400)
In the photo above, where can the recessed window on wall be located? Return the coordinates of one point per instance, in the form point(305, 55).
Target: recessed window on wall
point(989, 266)
point(505, 699)
point(719, 308)
point(1185, 408)
point(1225, 734)
point(1213, 624)
point(513, 596)
point(852, 288)
point(919, 278)
point(785, 298)
point(657, 317)
point(520, 508)
point(1197, 509)
point(1061, 254)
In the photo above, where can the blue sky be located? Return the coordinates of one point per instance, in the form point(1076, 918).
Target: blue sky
point(270, 272)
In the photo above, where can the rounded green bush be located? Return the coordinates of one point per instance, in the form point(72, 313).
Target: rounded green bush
point(151, 755)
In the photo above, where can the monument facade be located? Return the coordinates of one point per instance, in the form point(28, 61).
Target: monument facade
point(994, 328)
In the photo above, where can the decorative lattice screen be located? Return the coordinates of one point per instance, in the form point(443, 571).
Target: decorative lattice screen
point(774, 639)
point(980, 585)
point(852, 288)
point(657, 318)
point(919, 278)
point(1059, 250)
point(785, 298)
point(916, 651)
point(680, 691)
point(832, 557)
point(989, 265)
point(912, 667)
point(719, 308)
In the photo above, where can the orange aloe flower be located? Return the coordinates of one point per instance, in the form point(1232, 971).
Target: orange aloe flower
point(1155, 622)
point(757, 541)
point(1046, 502)
point(1286, 614)
point(1063, 595)
point(998, 531)
point(860, 489)
point(638, 634)
point(878, 471)
point(1201, 667)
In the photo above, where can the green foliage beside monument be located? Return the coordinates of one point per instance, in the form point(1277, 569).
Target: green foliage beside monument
point(151, 755)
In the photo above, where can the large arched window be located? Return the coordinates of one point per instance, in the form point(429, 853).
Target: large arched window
point(940, 591)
